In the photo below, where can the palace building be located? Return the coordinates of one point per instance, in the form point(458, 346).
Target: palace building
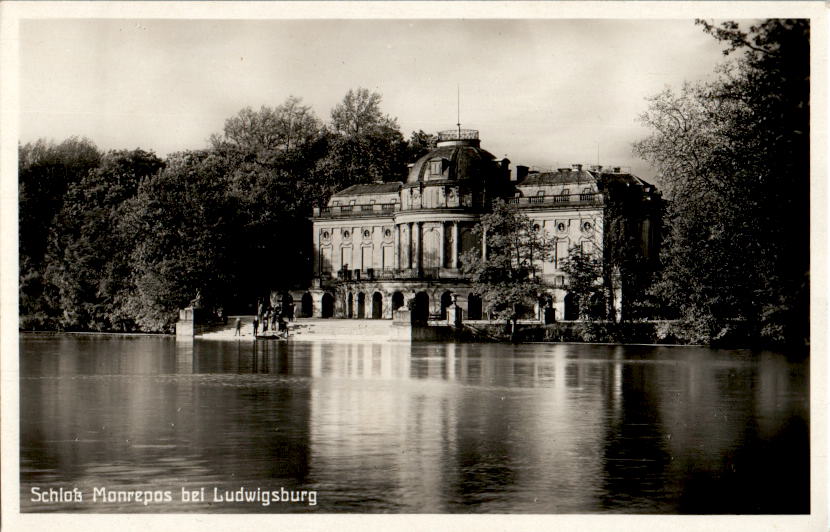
point(379, 245)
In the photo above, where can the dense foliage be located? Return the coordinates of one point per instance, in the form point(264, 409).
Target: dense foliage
point(585, 275)
point(122, 240)
point(508, 276)
point(734, 159)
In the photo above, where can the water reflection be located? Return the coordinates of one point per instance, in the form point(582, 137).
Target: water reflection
point(421, 428)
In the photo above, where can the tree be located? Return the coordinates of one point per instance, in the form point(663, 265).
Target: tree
point(420, 143)
point(585, 282)
point(88, 260)
point(734, 158)
point(627, 267)
point(367, 145)
point(187, 228)
point(508, 276)
point(359, 114)
point(269, 131)
point(45, 172)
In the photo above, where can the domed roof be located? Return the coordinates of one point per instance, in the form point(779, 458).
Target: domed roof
point(460, 157)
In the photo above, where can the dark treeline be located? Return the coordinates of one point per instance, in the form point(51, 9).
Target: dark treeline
point(119, 241)
point(734, 157)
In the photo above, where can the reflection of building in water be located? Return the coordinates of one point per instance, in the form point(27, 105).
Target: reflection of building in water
point(456, 423)
point(378, 246)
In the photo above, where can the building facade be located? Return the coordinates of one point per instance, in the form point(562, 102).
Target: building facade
point(377, 246)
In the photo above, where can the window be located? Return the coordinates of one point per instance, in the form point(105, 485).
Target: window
point(561, 253)
point(560, 226)
point(566, 191)
point(436, 167)
point(586, 226)
point(325, 234)
point(587, 247)
point(536, 227)
point(345, 234)
point(586, 190)
point(387, 233)
point(366, 233)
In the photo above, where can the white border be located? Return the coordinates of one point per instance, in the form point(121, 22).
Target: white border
point(12, 12)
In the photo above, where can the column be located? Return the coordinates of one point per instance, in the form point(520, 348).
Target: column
point(456, 245)
point(410, 247)
point(442, 243)
point(396, 257)
point(416, 237)
point(484, 244)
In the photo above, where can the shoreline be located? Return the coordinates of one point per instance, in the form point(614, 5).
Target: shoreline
point(352, 340)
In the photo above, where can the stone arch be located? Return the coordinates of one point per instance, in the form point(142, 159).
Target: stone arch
point(571, 307)
point(474, 307)
point(349, 305)
point(420, 310)
point(306, 306)
point(327, 306)
point(361, 305)
point(377, 306)
point(397, 300)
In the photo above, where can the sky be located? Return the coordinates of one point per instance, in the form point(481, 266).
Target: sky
point(543, 93)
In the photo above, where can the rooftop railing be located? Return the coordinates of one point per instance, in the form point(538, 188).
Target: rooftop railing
point(374, 209)
point(458, 134)
point(557, 199)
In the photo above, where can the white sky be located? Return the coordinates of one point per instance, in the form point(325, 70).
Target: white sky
point(541, 92)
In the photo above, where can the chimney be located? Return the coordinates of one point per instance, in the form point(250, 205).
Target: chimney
point(505, 168)
point(576, 167)
point(521, 172)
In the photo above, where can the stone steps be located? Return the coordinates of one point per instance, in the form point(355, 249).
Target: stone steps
point(312, 329)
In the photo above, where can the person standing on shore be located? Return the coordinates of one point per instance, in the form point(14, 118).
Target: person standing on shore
point(238, 331)
point(256, 325)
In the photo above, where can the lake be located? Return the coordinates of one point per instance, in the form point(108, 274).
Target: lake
point(146, 424)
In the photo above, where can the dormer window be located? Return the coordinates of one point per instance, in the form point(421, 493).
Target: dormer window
point(436, 167)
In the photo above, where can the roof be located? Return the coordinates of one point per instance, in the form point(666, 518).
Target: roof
point(466, 161)
point(370, 188)
point(629, 179)
point(559, 177)
point(571, 177)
